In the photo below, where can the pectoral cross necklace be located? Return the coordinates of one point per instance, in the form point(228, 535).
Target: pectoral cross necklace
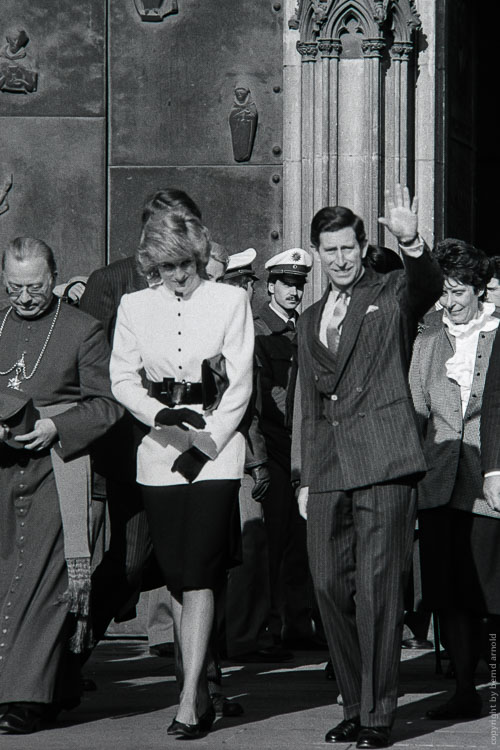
point(15, 382)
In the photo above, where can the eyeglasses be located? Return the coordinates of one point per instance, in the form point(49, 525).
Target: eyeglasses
point(34, 290)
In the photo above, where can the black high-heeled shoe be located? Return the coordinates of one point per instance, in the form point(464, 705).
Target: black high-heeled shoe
point(187, 731)
point(206, 720)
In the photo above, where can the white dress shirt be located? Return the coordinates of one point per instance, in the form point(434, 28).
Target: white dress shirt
point(168, 336)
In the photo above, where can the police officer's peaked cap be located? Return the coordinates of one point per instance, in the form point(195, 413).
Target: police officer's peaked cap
point(294, 262)
point(240, 264)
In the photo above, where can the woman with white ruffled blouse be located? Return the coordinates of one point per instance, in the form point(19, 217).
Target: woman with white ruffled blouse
point(190, 462)
point(459, 531)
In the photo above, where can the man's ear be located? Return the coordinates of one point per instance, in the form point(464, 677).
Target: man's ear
point(364, 249)
point(270, 287)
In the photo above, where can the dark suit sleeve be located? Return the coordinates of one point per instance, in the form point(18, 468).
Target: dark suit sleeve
point(97, 410)
point(99, 300)
point(255, 444)
point(312, 409)
point(490, 412)
point(422, 284)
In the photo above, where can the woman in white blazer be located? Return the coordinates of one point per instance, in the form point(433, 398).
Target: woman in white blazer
point(190, 463)
point(459, 532)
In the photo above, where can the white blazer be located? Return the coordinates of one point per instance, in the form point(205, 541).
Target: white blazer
point(168, 336)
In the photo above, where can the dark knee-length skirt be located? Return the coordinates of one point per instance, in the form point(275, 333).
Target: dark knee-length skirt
point(460, 560)
point(195, 530)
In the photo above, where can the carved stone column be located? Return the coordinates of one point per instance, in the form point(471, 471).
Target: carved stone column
point(355, 104)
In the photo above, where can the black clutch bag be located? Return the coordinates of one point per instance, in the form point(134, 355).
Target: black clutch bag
point(213, 381)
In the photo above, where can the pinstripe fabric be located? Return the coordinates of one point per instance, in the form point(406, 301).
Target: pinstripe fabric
point(451, 444)
point(358, 421)
point(360, 545)
point(117, 580)
point(105, 288)
point(360, 444)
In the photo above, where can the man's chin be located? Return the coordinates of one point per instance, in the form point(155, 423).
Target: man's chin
point(343, 281)
point(28, 312)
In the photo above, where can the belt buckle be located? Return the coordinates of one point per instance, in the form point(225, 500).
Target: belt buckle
point(166, 390)
point(179, 392)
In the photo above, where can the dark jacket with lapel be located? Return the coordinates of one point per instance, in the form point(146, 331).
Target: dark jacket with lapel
point(358, 421)
point(105, 288)
point(115, 454)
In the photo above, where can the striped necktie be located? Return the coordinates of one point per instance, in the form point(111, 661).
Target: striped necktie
point(334, 327)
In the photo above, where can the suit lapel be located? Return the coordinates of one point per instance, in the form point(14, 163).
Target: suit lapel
point(364, 293)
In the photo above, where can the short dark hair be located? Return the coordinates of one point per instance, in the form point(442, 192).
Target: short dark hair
point(463, 262)
point(383, 259)
point(168, 198)
point(24, 248)
point(333, 218)
point(242, 280)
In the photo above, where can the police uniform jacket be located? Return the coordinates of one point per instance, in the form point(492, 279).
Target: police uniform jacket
point(275, 355)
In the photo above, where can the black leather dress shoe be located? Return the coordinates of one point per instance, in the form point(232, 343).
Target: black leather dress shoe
point(184, 731)
point(20, 719)
point(346, 731)
point(228, 709)
point(374, 737)
point(467, 707)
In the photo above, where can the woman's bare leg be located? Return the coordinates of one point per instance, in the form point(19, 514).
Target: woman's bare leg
point(195, 625)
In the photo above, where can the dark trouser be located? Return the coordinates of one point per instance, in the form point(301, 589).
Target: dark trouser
point(247, 600)
point(117, 579)
point(360, 545)
point(292, 597)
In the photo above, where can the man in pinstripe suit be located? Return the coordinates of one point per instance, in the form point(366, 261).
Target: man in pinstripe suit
point(361, 454)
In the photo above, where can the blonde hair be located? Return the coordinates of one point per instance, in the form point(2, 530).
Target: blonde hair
point(170, 236)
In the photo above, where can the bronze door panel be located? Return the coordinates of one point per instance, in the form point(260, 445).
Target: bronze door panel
point(66, 52)
point(58, 192)
point(173, 83)
point(241, 206)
